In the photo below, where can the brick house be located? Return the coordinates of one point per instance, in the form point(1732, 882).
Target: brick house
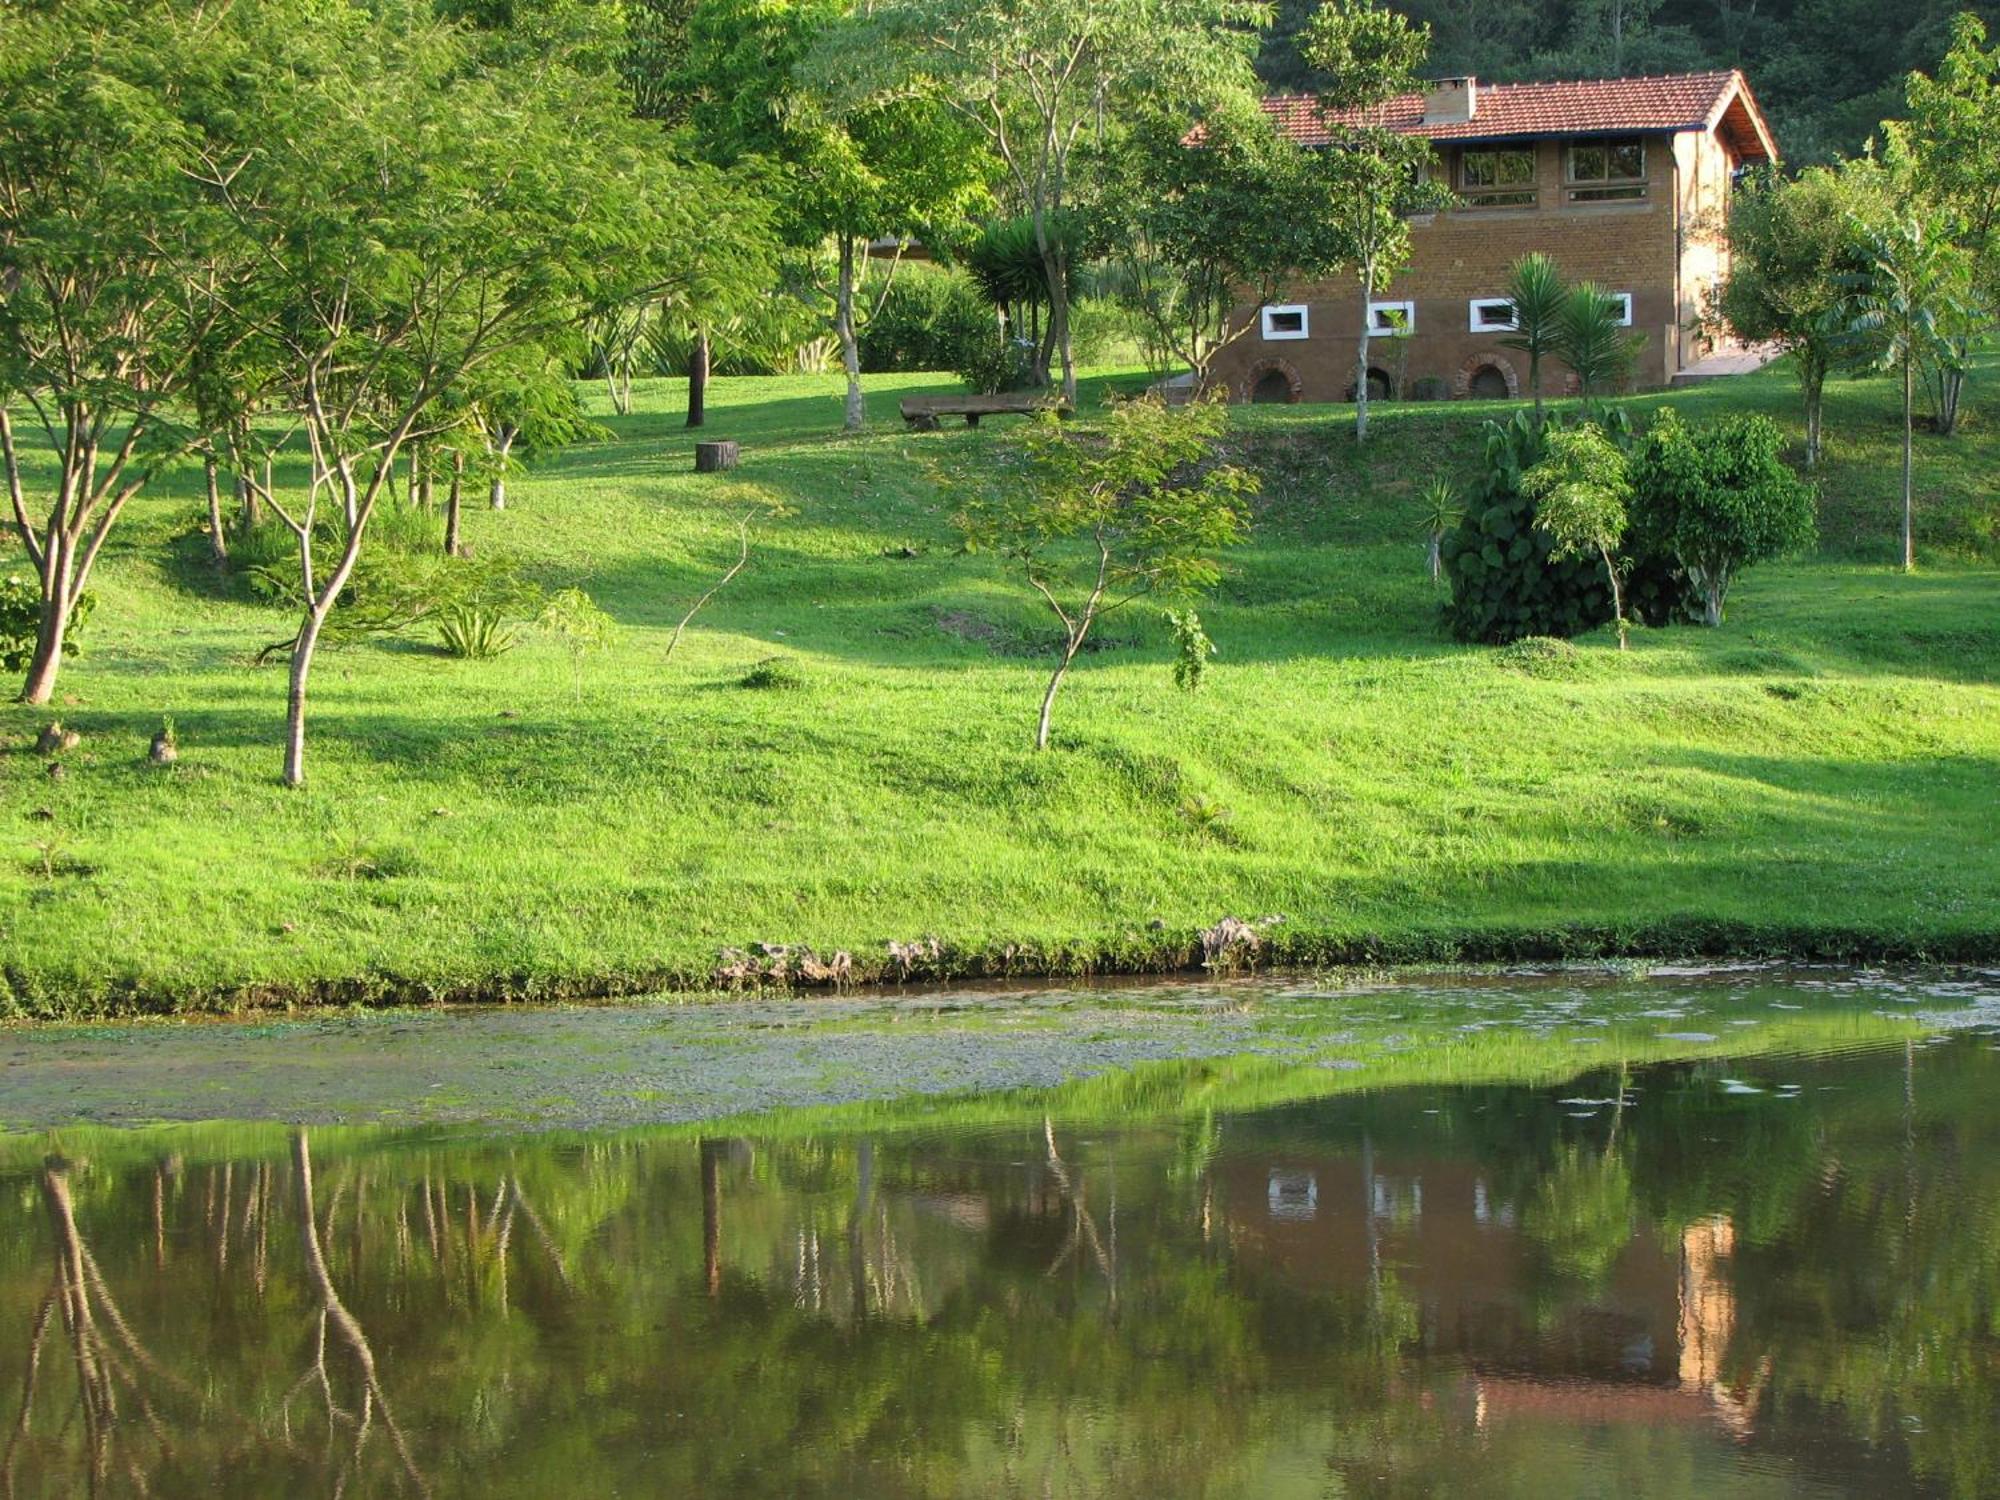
point(1623, 181)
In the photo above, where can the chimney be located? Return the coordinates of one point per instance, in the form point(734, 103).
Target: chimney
point(1451, 101)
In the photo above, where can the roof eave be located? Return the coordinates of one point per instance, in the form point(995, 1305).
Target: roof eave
point(1739, 91)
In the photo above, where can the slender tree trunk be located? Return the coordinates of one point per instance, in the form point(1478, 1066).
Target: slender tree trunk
point(1059, 333)
point(1617, 594)
point(698, 359)
point(1909, 495)
point(843, 327)
point(496, 494)
point(1814, 381)
point(1436, 555)
point(295, 701)
point(40, 685)
point(420, 477)
point(452, 503)
point(1070, 649)
point(218, 539)
point(1361, 355)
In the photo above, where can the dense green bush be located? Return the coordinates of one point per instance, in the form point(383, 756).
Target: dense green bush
point(1717, 499)
point(1505, 585)
point(21, 622)
point(931, 320)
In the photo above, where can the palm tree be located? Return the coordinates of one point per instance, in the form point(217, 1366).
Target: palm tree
point(1914, 283)
point(1590, 336)
point(1536, 289)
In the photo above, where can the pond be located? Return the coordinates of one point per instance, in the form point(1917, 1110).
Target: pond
point(1717, 1234)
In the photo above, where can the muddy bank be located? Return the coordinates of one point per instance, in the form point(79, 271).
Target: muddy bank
point(1270, 946)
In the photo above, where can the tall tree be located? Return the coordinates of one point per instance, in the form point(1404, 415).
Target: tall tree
point(1794, 244)
point(1193, 224)
point(409, 246)
point(1375, 177)
point(1949, 152)
point(114, 276)
point(1037, 80)
point(855, 169)
point(1914, 285)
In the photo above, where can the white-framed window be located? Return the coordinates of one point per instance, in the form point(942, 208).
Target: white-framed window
point(1622, 301)
point(1287, 322)
point(1392, 319)
point(1492, 315)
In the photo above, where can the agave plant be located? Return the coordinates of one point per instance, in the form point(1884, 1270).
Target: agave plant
point(476, 633)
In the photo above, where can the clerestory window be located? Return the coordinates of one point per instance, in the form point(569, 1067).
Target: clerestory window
point(1606, 171)
point(1497, 177)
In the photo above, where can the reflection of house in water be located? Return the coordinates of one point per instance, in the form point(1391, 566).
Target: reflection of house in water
point(1647, 1345)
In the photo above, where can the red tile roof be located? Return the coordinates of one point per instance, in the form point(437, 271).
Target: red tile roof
point(1680, 101)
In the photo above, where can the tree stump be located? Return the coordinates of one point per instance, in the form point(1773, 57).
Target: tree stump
point(709, 458)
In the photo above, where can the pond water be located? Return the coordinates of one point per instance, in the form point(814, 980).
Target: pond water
point(1731, 1235)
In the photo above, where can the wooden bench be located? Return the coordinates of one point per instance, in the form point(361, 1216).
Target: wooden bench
point(922, 412)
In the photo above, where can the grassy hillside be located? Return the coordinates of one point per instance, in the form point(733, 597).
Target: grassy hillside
point(1818, 777)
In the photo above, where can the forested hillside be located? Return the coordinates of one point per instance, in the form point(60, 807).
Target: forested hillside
point(1826, 70)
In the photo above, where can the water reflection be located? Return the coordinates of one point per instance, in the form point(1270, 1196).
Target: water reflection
point(1646, 1281)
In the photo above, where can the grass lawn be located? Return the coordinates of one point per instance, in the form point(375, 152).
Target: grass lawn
point(1821, 776)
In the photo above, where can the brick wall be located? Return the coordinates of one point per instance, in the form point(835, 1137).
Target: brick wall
point(1625, 246)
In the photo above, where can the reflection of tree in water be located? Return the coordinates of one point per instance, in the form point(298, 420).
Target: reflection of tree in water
point(1035, 1307)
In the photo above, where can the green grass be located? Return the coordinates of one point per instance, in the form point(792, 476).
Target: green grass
point(1817, 778)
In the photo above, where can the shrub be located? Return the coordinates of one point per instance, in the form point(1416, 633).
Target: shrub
point(773, 674)
point(994, 366)
point(1717, 499)
point(1504, 584)
point(1540, 656)
point(930, 320)
point(1430, 388)
point(21, 621)
point(477, 632)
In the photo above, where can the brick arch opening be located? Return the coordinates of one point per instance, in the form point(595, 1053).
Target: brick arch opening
point(1477, 375)
point(1381, 385)
point(1276, 381)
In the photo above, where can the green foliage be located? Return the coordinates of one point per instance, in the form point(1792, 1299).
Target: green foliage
point(1033, 81)
point(1540, 298)
point(775, 675)
point(1718, 498)
point(1440, 508)
point(1591, 340)
point(1582, 491)
point(476, 632)
point(1912, 302)
point(1192, 228)
point(396, 590)
point(21, 620)
point(1097, 521)
point(1506, 582)
point(1795, 245)
point(575, 619)
point(930, 320)
point(1192, 648)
